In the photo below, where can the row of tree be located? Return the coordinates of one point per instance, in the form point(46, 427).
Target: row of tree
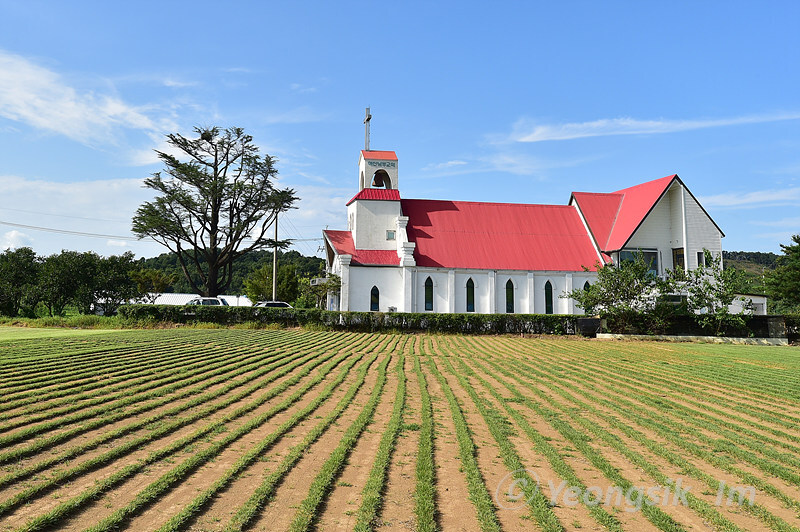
point(84, 280)
point(31, 285)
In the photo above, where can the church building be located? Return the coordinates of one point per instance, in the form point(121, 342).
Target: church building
point(422, 255)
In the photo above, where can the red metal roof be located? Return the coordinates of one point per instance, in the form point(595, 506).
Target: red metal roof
point(498, 236)
point(600, 212)
point(379, 194)
point(614, 217)
point(380, 155)
point(342, 242)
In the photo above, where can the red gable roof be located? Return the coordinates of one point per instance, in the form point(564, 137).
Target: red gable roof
point(380, 155)
point(342, 242)
point(600, 212)
point(613, 218)
point(498, 236)
point(379, 194)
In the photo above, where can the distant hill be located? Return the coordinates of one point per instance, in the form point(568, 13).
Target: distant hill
point(304, 267)
point(753, 263)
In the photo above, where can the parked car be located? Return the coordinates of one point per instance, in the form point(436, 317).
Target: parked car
point(273, 304)
point(208, 301)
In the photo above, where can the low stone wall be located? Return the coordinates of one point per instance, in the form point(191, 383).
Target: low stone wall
point(689, 338)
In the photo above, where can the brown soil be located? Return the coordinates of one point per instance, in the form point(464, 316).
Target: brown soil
point(280, 512)
point(398, 499)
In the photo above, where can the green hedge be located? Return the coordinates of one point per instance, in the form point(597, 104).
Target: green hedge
point(357, 321)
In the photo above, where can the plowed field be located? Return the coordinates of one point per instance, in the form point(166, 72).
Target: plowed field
point(299, 430)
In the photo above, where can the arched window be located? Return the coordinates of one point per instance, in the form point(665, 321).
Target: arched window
point(381, 179)
point(510, 297)
point(586, 286)
point(428, 294)
point(548, 298)
point(470, 296)
point(374, 299)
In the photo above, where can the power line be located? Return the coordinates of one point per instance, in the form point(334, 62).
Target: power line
point(74, 233)
point(100, 235)
point(63, 215)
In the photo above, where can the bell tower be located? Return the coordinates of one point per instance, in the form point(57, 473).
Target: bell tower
point(376, 169)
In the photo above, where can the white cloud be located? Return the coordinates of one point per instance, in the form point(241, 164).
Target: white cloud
point(15, 240)
point(527, 131)
point(94, 207)
point(117, 243)
point(301, 89)
point(177, 84)
point(300, 115)
point(40, 97)
point(444, 166)
point(783, 222)
point(756, 198)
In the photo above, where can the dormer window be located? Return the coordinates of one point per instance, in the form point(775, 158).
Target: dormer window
point(390, 235)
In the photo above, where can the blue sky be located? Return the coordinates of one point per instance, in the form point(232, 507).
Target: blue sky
point(504, 101)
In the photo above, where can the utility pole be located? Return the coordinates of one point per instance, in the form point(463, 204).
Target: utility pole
point(275, 263)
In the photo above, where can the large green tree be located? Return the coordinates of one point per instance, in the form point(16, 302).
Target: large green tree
point(114, 284)
point(65, 278)
point(258, 285)
point(213, 207)
point(18, 270)
point(783, 283)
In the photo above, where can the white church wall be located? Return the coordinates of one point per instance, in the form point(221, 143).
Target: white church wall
point(673, 197)
point(663, 230)
point(655, 233)
point(440, 290)
point(703, 233)
point(371, 220)
point(520, 283)
point(389, 281)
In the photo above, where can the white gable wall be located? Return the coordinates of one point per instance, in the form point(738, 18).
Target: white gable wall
point(703, 234)
point(662, 229)
point(656, 232)
point(370, 221)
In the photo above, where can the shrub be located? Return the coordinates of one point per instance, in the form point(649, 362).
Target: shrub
point(355, 321)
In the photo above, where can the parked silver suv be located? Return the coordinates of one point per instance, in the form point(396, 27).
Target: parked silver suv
point(208, 301)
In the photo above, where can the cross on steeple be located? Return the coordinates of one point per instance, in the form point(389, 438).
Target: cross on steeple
point(367, 118)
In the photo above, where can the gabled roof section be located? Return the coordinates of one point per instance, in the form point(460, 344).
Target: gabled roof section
point(600, 212)
point(498, 236)
point(377, 194)
point(379, 155)
point(342, 243)
point(612, 228)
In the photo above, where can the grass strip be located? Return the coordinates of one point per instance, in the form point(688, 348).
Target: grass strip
point(148, 495)
point(184, 517)
point(266, 490)
point(425, 495)
point(680, 461)
point(153, 457)
point(654, 514)
point(18, 453)
point(293, 362)
point(500, 428)
point(321, 485)
point(478, 494)
point(705, 510)
point(250, 509)
point(376, 482)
